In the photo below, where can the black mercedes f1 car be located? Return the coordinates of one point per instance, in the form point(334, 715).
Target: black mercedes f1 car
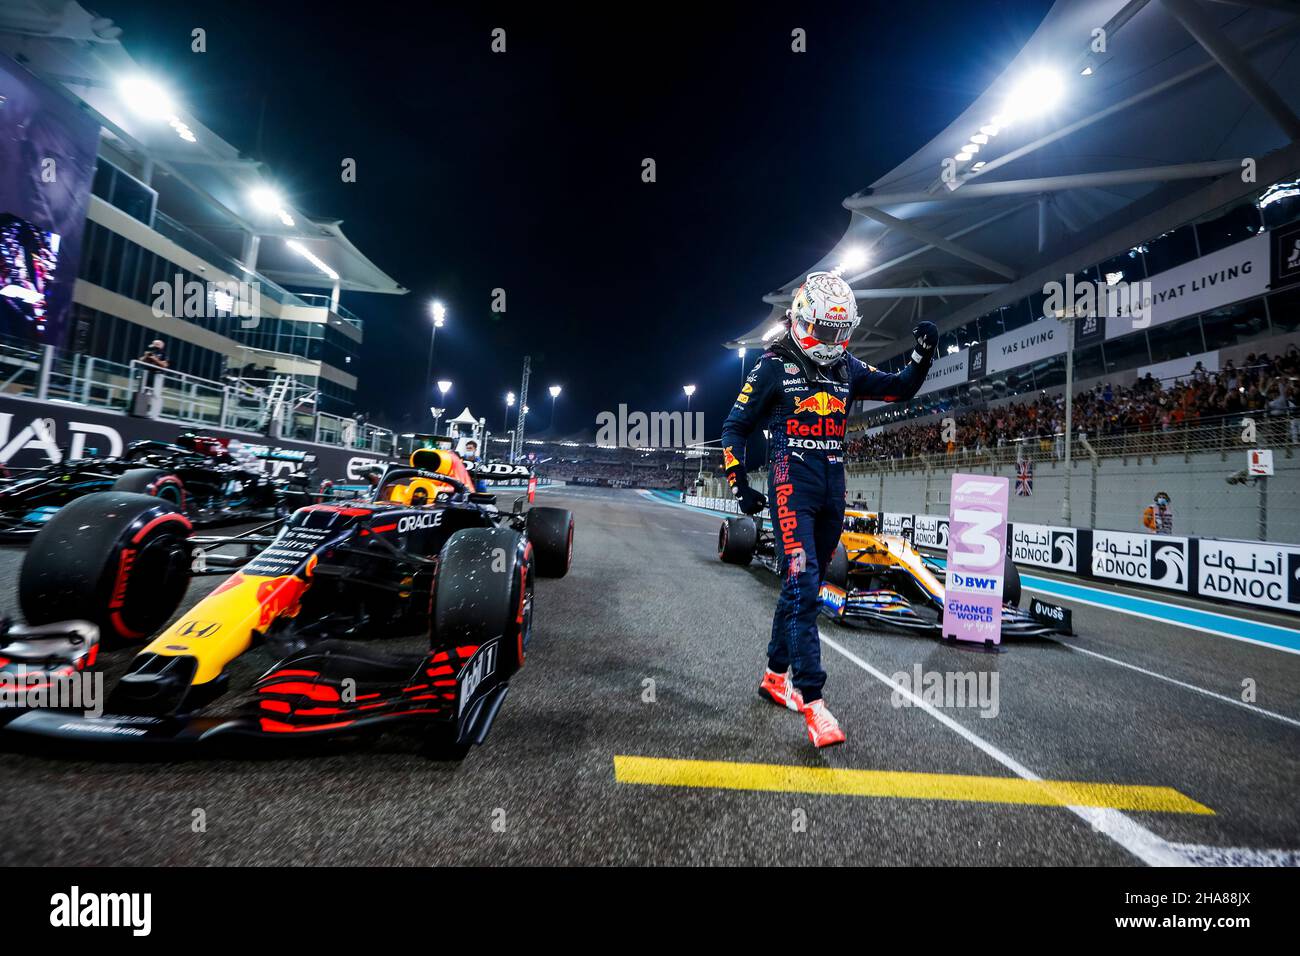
point(426, 554)
point(198, 473)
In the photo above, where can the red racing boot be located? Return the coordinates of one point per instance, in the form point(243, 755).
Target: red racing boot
point(823, 728)
point(778, 689)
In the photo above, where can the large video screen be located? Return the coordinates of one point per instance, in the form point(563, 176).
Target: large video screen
point(47, 164)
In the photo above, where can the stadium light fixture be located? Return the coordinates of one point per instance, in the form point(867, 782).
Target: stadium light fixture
point(1036, 93)
point(439, 313)
point(150, 99)
point(269, 202)
point(689, 390)
point(146, 97)
point(510, 399)
point(854, 258)
point(555, 391)
point(311, 257)
point(444, 387)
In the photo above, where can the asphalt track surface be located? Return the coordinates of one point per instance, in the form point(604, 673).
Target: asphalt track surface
point(647, 600)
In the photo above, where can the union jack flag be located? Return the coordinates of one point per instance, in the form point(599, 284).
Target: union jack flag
point(1024, 478)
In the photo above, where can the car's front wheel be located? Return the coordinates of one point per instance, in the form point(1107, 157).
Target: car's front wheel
point(737, 540)
point(119, 560)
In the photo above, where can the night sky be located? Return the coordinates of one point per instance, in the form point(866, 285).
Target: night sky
point(522, 170)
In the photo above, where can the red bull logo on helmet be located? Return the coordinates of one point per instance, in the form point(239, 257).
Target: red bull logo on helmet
point(822, 403)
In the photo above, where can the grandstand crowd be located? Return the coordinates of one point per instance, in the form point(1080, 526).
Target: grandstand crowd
point(1263, 384)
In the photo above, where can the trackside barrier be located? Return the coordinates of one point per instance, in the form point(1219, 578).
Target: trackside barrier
point(1255, 573)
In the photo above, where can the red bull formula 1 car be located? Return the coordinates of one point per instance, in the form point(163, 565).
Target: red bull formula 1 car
point(877, 579)
point(425, 554)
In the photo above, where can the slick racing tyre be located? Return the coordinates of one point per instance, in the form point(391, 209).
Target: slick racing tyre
point(551, 532)
point(153, 481)
point(484, 590)
point(1011, 585)
point(837, 572)
point(737, 540)
point(118, 560)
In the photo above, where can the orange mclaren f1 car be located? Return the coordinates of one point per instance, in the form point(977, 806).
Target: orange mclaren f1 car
point(878, 579)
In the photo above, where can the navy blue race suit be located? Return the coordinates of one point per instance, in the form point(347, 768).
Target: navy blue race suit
point(804, 407)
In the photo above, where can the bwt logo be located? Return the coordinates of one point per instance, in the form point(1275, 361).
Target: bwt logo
point(971, 582)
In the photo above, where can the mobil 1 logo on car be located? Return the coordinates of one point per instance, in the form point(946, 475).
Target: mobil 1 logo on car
point(1250, 572)
point(1153, 559)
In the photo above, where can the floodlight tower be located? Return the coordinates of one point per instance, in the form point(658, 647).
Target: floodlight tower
point(517, 446)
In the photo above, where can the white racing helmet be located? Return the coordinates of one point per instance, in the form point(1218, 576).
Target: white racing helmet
point(823, 316)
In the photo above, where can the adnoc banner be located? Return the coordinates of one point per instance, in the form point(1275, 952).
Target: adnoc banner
point(1045, 546)
point(1252, 572)
point(47, 165)
point(930, 531)
point(34, 434)
point(1155, 560)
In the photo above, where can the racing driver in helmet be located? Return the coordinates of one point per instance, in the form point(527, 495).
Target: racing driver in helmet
point(801, 390)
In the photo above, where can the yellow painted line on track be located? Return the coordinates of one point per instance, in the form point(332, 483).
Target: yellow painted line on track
point(723, 775)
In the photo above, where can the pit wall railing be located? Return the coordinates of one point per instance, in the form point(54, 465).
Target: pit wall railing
point(1254, 573)
point(56, 375)
point(1111, 479)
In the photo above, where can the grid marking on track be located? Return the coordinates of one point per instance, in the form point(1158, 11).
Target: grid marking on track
point(726, 775)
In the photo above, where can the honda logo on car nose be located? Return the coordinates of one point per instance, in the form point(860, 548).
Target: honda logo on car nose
point(198, 629)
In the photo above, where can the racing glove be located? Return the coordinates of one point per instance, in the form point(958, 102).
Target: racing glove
point(927, 339)
point(751, 502)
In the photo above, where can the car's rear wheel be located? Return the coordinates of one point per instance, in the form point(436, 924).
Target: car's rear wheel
point(737, 540)
point(154, 482)
point(837, 572)
point(551, 532)
point(119, 560)
point(1011, 585)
